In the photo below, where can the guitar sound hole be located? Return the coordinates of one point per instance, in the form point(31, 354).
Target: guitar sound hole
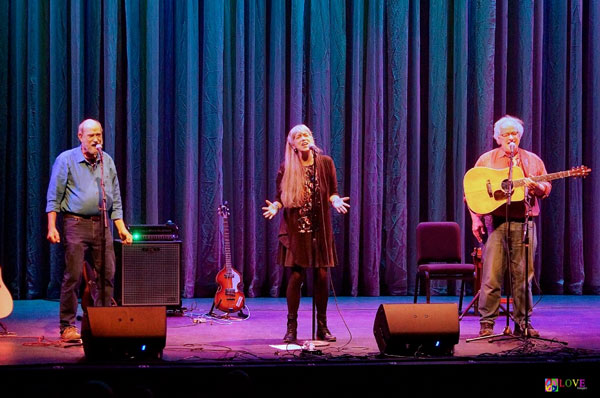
point(506, 187)
point(500, 195)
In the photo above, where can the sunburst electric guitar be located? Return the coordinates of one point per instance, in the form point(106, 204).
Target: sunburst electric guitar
point(6, 301)
point(487, 189)
point(229, 297)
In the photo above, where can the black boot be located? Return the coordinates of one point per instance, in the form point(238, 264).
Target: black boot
point(323, 333)
point(292, 326)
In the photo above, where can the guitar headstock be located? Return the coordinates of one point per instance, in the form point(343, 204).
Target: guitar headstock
point(580, 171)
point(223, 210)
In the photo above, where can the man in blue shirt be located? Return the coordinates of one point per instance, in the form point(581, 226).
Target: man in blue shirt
point(75, 190)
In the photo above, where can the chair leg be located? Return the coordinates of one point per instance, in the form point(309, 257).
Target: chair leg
point(417, 283)
point(427, 287)
point(462, 293)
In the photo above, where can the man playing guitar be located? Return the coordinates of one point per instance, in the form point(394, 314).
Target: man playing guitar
point(507, 133)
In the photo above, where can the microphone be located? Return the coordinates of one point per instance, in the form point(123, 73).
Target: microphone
point(314, 149)
point(512, 147)
point(100, 153)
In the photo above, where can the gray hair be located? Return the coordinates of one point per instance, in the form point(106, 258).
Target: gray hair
point(508, 121)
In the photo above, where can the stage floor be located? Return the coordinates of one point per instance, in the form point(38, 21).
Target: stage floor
point(197, 341)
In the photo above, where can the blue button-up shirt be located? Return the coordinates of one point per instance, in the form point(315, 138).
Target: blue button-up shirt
point(75, 186)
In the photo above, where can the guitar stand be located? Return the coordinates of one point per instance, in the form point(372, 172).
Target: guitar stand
point(212, 310)
point(475, 312)
point(212, 313)
point(477, 260)
point(5, 332)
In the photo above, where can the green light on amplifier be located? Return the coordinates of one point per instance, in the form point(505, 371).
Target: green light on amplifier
point(137, 236)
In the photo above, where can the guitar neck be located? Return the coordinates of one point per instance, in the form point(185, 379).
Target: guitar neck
point(545, 177)
point(227, 245)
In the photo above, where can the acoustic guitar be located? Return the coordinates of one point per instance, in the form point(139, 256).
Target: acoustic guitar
point(487, 189)
point(6, 301)
point(228, 298)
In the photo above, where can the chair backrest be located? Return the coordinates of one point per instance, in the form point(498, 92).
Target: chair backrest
point(438, 242)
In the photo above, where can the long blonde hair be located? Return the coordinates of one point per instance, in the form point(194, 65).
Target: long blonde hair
point(292, 183)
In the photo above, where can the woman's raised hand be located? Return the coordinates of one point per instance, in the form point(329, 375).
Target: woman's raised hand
point(340, 204)
point(270, 210)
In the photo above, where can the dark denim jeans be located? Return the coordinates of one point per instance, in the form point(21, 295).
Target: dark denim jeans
point(494, 267)
point(82, 239)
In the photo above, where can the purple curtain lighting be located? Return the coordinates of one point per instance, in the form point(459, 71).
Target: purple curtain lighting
point(196, 99)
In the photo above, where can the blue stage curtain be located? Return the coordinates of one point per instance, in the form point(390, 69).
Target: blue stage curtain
point(196, 99)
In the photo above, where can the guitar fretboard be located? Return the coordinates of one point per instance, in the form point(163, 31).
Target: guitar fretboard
point(227, 248)
point(548, 177)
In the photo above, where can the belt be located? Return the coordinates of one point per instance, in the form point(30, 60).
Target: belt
point(81, 217)
point(497, 220)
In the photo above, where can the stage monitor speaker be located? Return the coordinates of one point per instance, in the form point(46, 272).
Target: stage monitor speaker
point(406, 329)
point(149, 273)
point(124, 332)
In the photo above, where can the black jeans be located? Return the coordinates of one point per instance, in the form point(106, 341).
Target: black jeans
point(82, 239)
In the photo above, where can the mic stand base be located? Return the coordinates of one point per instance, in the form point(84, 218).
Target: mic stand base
point(505, 333)
point(311, 347)
point(526, 337)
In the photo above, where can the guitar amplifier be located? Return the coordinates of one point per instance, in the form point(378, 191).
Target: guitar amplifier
point(148, 273)
point(154, 232)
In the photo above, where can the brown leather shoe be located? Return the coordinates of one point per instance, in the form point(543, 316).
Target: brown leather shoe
point(70, 333)
point(487, 329)
point(530, 331)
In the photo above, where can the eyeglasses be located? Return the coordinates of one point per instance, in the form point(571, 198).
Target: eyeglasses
point(506, 135)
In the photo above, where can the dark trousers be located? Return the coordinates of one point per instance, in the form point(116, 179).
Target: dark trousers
point(82, 238)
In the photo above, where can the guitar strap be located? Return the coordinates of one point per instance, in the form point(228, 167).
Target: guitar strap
point(529, 201)
point(522, 165)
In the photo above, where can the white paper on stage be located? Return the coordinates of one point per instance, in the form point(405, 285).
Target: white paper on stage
point(286, 347)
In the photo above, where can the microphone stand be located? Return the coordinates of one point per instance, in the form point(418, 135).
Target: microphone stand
point(529, 251)
point(310, 345)
point(509, 191)
point(104, 219)
point(313, 217)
